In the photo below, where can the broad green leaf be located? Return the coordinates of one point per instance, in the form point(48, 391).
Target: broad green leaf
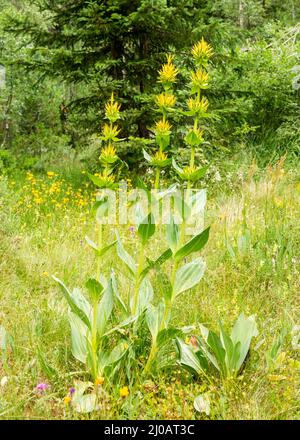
point(172, 232)
point(105, 308)
point(188, 276)
point(95, 289)
point(166, 255)
point(125, 257)
point(73, 301)
point(243, 331)
point(229, 348)
point(107, 358)
point(147, 228)
point(214, 342)
point(154, 317)
point(79, 332)
point(116, 291)
point(145, 295)
point(194, 245)
point(187, 357)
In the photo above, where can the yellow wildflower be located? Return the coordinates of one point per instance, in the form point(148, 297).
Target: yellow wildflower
point(163, 127)
point(108, 151)
point(50, 174)
point(124, 392)
point(112, 109)
point(199, 80)
point(198, 107)
point(67, 400)
point(99, 380)
point(165, 100)
point(202, 51)
point(110, 132)
point(160, 156)
point(168, 72)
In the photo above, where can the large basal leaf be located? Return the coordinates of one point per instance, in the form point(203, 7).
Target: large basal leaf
point(79, 332)
point(194, 245)
point(95, 289)
point(229, 349)
point(214, 342)
point(108, 358)
point(146, 228)
point(125, 257)
point(116, 292)
point(105, 308)
point(188, 276)
point(78, 304)
point(243, 331)
point(187, 357)
point(172, 234)
point(154, 317)
point(145, 295)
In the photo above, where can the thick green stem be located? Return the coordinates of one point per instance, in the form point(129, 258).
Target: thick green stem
point(151, 357)
point(94, 341)
point(100, 239)
point(137, 279)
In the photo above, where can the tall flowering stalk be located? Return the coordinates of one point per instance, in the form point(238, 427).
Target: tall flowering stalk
point(197, 109)
point(108, 160)
point(110, 131)
point(165, 101)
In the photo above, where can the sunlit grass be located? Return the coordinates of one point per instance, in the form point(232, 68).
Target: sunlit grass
point(252, 266)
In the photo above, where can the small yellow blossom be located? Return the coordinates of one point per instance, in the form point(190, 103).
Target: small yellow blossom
point(202, 51)
point(110, 132)
point(99, 380)
point(165, 100)
point(50, 174)
point(112, 109)
point(67, 400)
point(168, 72)
point(124, 392)
point(160, 156)
point(163, 127)
point(199, 80)
point(197, 106)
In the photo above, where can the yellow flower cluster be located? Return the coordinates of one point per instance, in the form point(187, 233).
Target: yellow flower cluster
point(198, 106)
point(202, 52)
point(199, 80)
point(167, 74)
point(112, 110)
point(51, 193)
point(163, 127)
point(165, 101)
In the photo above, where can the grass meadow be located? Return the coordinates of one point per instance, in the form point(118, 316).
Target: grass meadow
point(253, 266)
